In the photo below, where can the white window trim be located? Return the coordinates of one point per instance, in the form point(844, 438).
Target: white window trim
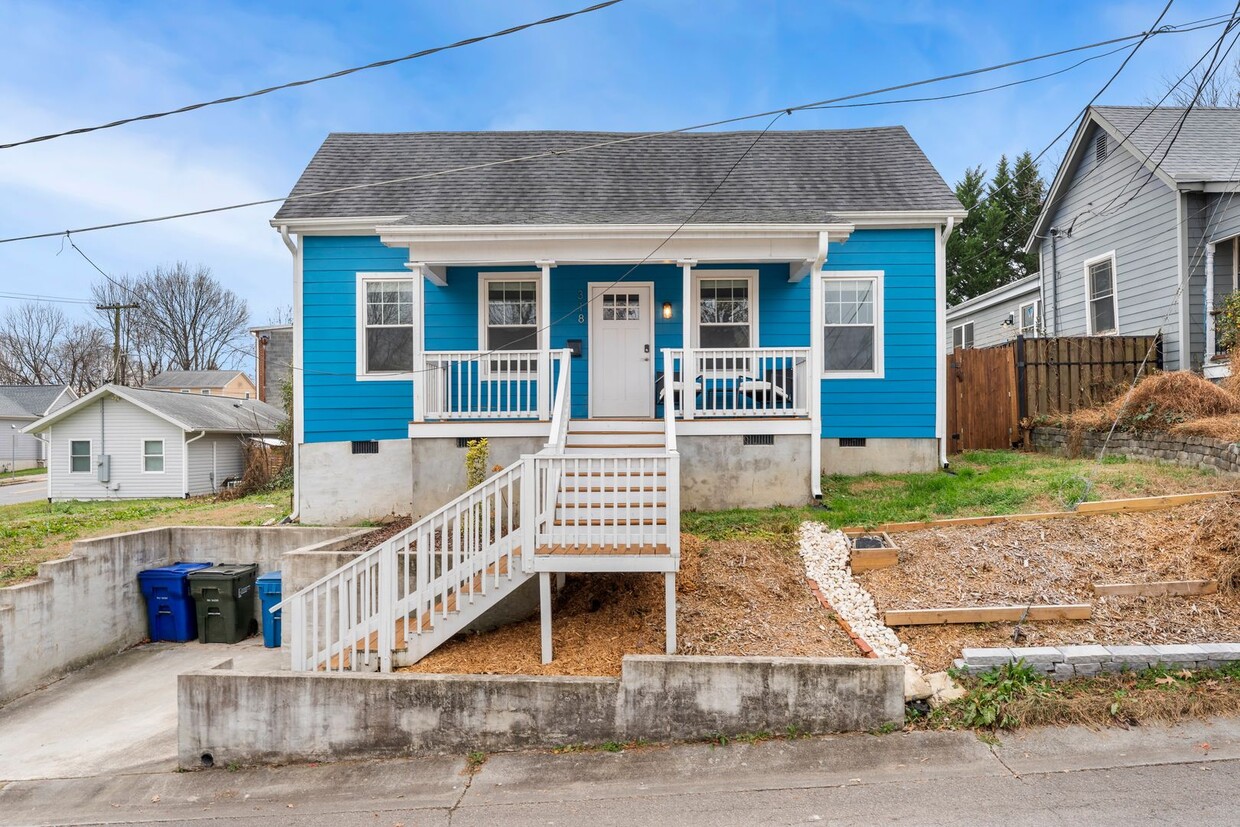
point(1020, 317)
point(359, 321)
point(90, 456)
point(163, 454)
point(878, 276)
point(1089, 316)
point(484, 289)
point(695, 311)
point(961, 327)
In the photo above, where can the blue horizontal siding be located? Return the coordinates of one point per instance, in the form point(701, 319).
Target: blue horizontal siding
point(902, 404)
point(337, 406)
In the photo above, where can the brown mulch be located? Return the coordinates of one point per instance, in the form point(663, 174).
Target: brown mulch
point(1058, 561)
point(1160, 402)
point(371, 539)
point(736, 597)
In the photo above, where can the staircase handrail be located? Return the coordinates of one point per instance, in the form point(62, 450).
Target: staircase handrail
point(561, 405)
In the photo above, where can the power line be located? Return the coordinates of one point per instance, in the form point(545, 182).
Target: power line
point(1142, 36)
point(38, 297)
point(308, 81)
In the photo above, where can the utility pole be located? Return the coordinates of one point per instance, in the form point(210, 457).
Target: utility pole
point(118, 371)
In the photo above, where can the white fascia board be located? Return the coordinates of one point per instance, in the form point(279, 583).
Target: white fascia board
point(399, 235)
point(361, 225)
point(902, 218)
point(1016, 289)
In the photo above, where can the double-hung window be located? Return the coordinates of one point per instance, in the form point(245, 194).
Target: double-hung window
point(726, 317)
point(510, 318)
point(79, 456)
point(153, 456)
point(1029, 313)
point(852, 316)
point(962, 336)
point(386, 308)
point(1100, 292)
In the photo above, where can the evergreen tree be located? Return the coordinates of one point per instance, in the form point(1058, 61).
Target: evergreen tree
point(985, 250)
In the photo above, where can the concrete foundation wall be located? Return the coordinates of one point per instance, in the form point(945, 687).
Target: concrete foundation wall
point(439, 466)
point(282, 716)
point(719, 472)
point(880, 456)
point(88, 605)
point(338, 487)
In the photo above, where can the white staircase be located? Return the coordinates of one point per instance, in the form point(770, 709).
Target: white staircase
point(601, 496)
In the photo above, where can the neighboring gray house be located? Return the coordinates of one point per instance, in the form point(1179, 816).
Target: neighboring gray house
point(996, 317)
point(232, 383)
point(126, 443)
point(273, 354)
point(1139, 232)
point(19, 406)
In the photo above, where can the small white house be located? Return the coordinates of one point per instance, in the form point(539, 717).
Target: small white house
point(128, 443)
point(20, 405)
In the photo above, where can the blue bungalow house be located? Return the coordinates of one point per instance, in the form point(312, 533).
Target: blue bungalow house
point(637, 324)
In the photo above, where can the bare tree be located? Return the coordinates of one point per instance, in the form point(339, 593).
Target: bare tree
point(281, 315)
point(141, 346)
point(198, 322)
point(84, 357)
point(1220, 89)
point(29, 336)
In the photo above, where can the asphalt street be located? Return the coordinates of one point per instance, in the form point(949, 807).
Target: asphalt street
point(26, 492)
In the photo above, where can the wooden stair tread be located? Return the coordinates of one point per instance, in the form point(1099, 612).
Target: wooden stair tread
point(614, 505)
point(614, 523)
point(618, 446)
point(615, 489)
point(605, 550)
point(615, 474)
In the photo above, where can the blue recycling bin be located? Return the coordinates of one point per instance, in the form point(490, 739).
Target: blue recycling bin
point(169, 608)
point(270, 586)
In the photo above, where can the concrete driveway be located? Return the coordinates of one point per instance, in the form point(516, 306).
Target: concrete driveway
point(116, 716)
point(24, 492)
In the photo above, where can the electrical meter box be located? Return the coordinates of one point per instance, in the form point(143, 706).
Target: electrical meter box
point(104, 463)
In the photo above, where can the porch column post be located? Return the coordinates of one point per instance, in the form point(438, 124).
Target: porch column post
point(688, 362)
point(814, 374)
point(420, 377)
point(669, 601)
point(1211, 344)
point(544, 340)
point(544, 613)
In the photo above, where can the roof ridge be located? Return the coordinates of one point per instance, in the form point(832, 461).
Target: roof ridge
point(652, 132)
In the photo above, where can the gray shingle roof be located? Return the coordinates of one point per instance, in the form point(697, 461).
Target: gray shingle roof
point(28, 400)
point(1207, 148)
point(788, 177)
point(209, 413)
point(193, 379)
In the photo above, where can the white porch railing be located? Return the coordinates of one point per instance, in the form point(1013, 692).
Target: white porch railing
point(509, 384)
point(737, 382)
point(407, 585)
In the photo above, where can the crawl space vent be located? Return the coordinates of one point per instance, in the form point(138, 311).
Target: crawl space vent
point(759, 439)
point(365, 446)
point(852, 442)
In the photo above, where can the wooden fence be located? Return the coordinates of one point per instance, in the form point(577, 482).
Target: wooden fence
point(992, 392)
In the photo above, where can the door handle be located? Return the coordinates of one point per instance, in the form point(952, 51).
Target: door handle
point(646, 348)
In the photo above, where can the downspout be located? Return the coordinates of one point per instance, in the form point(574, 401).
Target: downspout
point(1209, 297)
point(815, 370)
point(299, 421)
point(940, 367)
point(1054, 283)
point(185, 460)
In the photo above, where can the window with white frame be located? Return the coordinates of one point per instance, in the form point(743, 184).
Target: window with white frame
point(79, 456)
point(1029, 313)
point(387, 323)
point(205, 392)
point(962, 336)
point(1101, 294)
point(725, 312)
point(153, 456)
point(852, 338)
point(509, 319)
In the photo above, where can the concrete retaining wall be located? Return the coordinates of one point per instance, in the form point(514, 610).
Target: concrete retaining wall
point(1192, 451)
point(88, 606)
point(282, 716)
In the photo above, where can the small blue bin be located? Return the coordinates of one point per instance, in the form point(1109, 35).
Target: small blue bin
point(169, 607)
point(270, 586)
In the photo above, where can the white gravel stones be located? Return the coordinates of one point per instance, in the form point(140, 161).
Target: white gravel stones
point(825, 553)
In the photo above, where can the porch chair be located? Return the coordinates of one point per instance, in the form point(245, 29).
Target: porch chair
point(771, 389)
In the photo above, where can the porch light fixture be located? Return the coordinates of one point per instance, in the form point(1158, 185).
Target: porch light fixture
point(667, 310)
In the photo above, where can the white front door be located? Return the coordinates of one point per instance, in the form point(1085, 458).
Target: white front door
point(621, 350)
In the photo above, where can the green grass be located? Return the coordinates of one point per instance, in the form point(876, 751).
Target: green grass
point(33, 532)
point(27, 472)
point(979, 483)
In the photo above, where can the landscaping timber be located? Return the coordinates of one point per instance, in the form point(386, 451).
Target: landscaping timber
point(988, 614)
point(1157, 589)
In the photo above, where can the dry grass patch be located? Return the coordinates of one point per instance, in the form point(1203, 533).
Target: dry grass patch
point(1058, 561)
point(735, 597)
point(1179, 402)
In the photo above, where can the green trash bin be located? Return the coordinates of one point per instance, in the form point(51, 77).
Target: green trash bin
point(224, 600)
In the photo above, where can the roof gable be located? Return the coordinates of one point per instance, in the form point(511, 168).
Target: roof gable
point(189, 412)
point(788, 177)
point(194, 378)
point(24, 401)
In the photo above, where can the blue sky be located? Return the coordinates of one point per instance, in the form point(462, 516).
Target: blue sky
point(643, 65)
